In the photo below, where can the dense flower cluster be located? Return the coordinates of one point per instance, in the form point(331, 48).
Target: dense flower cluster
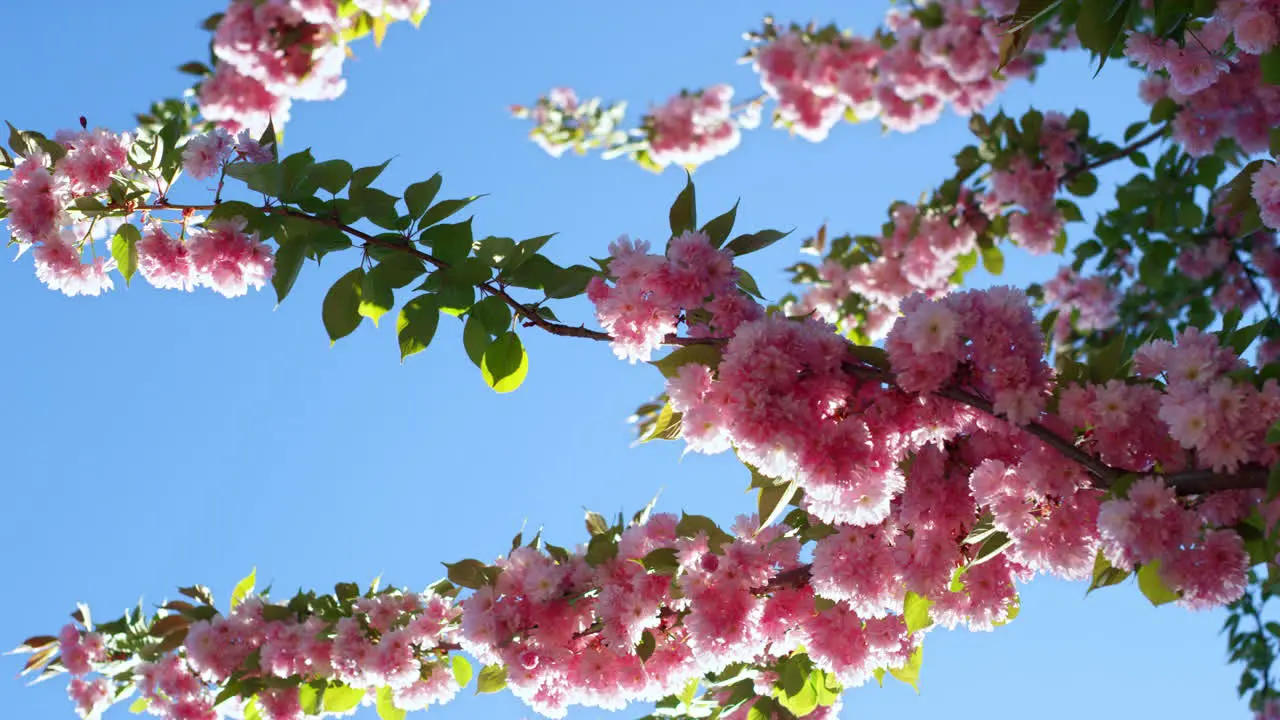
point(38, 194)
point(393, 640)
point(922, 248)
point(1221, 90)
point(1032, 183)
point(920, 253)
point(818, 78)
point(40, 197)
point(205, 155)
point(272, 52)
point(986, 340)
point(644, 304)
point(693, 128)
point(1084, 303)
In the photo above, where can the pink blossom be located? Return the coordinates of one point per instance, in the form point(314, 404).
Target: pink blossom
point(229, 260)
point(204, 155)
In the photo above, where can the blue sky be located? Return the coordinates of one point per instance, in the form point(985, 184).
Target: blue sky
point(157, 439)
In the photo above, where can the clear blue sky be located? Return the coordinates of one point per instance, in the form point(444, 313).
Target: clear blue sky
point(155, 439)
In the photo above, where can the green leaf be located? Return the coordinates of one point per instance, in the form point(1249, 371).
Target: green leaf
point(492, 679)
point(1273, 481)
point(993, 260)
point(1028, 11)
point(915, 612)
point(331, 175)
point(417, 324)
point(646, 646)
point(289, 259)
point(444, 209)
point(747, 284)
point(747, 244)
point(1270, 62)
point(1163, 111)
point(802, 702)
point(773, 500)
point(689, 692)
point(266, 178)
point(124, 248)
point(997, 543)
point(1099, 26)
point(1084, 185)
point(475, 339)
point(398, 270)
point(596, 524)
point(468, 573)
point(341, 307)
point(251, 710)
point(505, 363)
point(364, 177)
point(461, 670)
point(386, 705)
point(662, 561)
point(419, 196)
point(1070, 211)
point(244, 588)
point(1104, 574)
point(139, 705)
point(376, 297)
point(493, 313)
point(450, 242)
point(340, 698)
point(683, 213)
point(1153, 586)
point(690, 525)
point(666, 426)
point(669, 366)
point(718, 228)
point(910, 673)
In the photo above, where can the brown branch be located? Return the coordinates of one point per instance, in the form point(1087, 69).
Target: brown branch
point(1123, 152)
point(1191, 482)
point(530, 315)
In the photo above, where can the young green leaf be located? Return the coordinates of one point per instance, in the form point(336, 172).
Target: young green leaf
point(417, 324)
point(683, 214)
point(341, 307)
point(505, 363)
point(124, 248)
point(244, 588)
point(492, 679)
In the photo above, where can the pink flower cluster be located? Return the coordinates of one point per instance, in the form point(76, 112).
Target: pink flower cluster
point(1207, 566)
point(1087, 304)
point(644, 304)
point(920, 254)
point(569, 632)
point(985, 340)
point(1032, 184)
point(222, 257)
point(1200, 410)
point(1222, 93)
point(391, 640)
point(271, 53)
point(39, 191)
point(693, 128)
point(818, 79)
point(205, 155)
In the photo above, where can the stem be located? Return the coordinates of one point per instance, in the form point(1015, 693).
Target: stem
point(1191, 482)
point(1123, 152)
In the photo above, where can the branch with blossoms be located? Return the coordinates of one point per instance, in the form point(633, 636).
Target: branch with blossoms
point(927, 57)
point(929, 476)
point(925, 480)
